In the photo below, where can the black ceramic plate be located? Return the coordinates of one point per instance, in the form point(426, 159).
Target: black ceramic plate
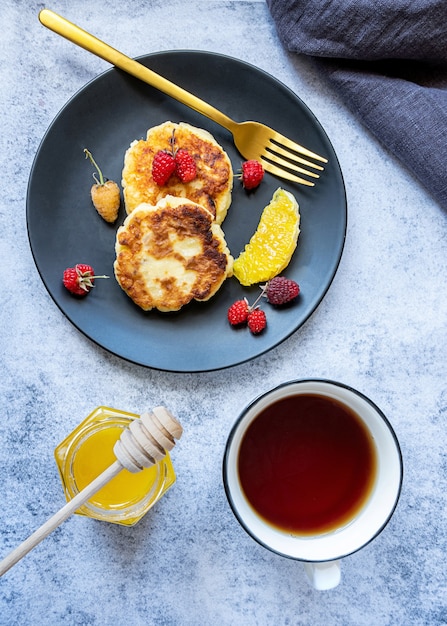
point(64, 228)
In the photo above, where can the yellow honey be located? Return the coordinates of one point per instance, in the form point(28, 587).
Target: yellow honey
point(88, 451)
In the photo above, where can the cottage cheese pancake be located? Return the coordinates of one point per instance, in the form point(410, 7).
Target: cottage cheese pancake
point(214, 181)
point(171, 253)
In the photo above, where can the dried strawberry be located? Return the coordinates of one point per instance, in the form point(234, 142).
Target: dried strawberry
point(186, 166)
point(280, 290)
point(80, 279)
point(252, 174)
point(238, 312)
point(257, 321)
point(163, 166)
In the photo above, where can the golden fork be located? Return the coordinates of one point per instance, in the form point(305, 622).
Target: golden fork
point(277, 153)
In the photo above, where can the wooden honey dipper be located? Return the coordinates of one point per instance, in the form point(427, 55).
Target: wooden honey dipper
point(145, 442)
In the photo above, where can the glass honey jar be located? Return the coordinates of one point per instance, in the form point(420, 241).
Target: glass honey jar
point(87, 451)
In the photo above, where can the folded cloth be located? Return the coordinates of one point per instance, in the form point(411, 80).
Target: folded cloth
point(388, 61)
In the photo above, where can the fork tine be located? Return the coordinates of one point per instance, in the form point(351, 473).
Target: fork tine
point(278, 171)
point(279, 139)
point(270, 156)
point(276, 149)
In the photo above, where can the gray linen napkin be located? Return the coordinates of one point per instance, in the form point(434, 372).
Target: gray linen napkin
point(388, 61)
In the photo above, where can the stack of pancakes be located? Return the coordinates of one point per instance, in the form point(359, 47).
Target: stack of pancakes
point(171, 248)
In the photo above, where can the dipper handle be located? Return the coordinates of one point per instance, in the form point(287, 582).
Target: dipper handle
point(59, 517)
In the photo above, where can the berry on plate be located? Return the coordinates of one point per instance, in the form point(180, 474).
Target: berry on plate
point(252, 174)
point(163, 166)
point(174, 161)
point(238, 312)
point(280, 290)
point(256, 321)
point(105, 193)
point(186, 166)
point(80, 279)
point(241, 313)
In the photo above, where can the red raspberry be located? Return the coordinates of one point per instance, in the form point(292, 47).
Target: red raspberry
point(238, 312)
point(280, 290)
point(186, 166)
point(80, 279)
point(257, 321)
point(163, 166)
point(252, 174)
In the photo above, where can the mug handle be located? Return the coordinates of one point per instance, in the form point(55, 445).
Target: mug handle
point(324, 575)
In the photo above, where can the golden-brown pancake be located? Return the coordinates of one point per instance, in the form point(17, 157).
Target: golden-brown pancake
point(214, 181)
point(171, 253)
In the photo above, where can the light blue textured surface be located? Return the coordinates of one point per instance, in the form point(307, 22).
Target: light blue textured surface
point(382, 328)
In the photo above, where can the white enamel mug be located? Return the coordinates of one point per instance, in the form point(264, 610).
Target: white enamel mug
point(321, 553)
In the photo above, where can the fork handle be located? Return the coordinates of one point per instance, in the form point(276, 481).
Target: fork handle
point(85, 40)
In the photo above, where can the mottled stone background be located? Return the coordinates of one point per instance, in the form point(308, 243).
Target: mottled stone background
point(381, 328)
